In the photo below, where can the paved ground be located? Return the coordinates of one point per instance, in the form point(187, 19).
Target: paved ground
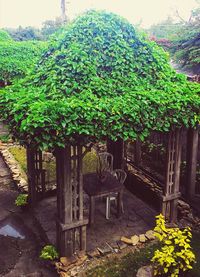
point(20, 240)
point(137, 219)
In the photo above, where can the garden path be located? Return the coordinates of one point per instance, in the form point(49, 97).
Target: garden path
point(19, 238)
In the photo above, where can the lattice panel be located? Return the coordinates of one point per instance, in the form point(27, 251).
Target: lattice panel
point(36, 175)
point(39, 172)
point(71, 225)
point(171, 190)
point(149, 155)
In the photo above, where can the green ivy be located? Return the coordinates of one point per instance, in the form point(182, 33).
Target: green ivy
point(18, 58)
point(4, 36)
point(21, 200)
point(49, 252)
point(99, 79)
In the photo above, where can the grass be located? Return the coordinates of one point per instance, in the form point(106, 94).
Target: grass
point(19, 153)
point(128, 265)
point(89, 161)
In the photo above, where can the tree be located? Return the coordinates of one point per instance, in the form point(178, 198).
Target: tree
point(63, 11)
point(50, 27)
point(183, 39)
point(4, 36)
point(27, 33)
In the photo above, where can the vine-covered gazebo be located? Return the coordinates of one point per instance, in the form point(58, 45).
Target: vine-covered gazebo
point(100, 80)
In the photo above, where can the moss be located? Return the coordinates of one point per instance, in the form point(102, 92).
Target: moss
point(19, 153)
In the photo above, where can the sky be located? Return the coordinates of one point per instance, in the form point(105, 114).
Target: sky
point(33, 12)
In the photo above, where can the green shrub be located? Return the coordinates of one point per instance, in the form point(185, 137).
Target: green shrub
point(18, 58)
point(49, 252)
point(4, 138)
point(21, 200)
point(175, 255)
point(4, 36)
point(102, 80)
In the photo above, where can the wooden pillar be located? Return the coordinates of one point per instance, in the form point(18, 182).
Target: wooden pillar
point(191, 164)
point(172, 180)
point(116, 148)
point(36, 174)
point(137, 152)
point(30, 154)
point(71, 226)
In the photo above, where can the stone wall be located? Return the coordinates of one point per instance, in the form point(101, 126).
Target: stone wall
point(3, 129)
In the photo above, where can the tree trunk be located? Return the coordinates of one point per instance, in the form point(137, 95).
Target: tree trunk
point(63, 11)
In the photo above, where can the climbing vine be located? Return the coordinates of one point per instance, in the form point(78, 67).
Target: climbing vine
point(18, 58)
point(100, 79)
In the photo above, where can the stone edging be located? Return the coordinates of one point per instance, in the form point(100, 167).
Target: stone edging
point(14, 167)
point(73, 266)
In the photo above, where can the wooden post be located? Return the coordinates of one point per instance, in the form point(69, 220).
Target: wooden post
point(36, 175)
point(71, 226)
point(172, 180)
point(137, 152)
point(191, 164)
point(116, 148)
point(30, 154)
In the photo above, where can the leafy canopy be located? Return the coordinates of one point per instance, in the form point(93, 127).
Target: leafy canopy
point(18, 58)
point(4, 36)
point(99, 79)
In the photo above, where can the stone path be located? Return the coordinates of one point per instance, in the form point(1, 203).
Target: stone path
point(20, 240)
point(138, 218)
point(5, 176)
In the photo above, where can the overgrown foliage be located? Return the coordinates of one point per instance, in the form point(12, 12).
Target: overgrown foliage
point(128, 265)
point(49, 27)
point(99, 79)
point(21, 200)
point(24, 33)
point(49, 252)
point(175, 255)
point(18, 58)
point(4, 36)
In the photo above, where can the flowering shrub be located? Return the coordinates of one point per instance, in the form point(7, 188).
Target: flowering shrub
point(175, 255)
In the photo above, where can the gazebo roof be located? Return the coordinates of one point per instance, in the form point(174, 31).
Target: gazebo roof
point(100, 79)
